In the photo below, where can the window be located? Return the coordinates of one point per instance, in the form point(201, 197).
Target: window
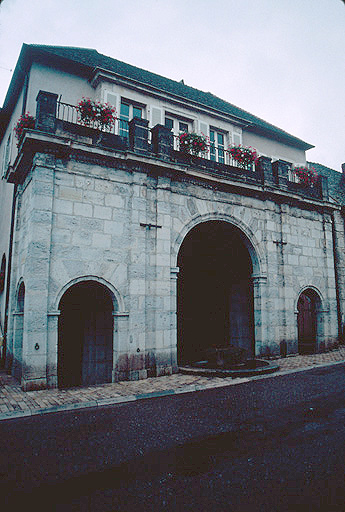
point(127, 112)
point(183, 127)
point(169, 123)
point(217, 140)
point(177, 125)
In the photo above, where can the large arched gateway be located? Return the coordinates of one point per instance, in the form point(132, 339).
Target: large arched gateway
point(215, 292)
point(85, 346)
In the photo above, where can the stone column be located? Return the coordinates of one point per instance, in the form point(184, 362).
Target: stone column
point(162, 141)
point(339, 267)
point(331, 329)
point(280, 172)
point(264, 168)
point(36, 272)
point(260, 313)
point(17, 366)
point(173, 307)
point(165, 312)
point(52, 349)
point(139, 135)
point(46, 112)
point(120, 346)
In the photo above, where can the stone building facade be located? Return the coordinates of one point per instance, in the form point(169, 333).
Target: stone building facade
point(129, 258)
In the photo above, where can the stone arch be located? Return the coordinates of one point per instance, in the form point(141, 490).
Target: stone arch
point(249, 239)
point(118, 302)
point(86, 332)
point(215, 288)
point(309, 314)
point(316, 292)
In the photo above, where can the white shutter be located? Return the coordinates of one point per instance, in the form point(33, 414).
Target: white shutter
point(203, 129)
point(7, 154)
point(156, 116)
point(110, 98)
point(236, 139)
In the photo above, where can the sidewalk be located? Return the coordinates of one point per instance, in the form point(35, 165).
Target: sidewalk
point(16, 403)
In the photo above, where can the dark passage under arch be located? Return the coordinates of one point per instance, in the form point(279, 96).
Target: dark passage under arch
point(215, 293)
point(85, 346)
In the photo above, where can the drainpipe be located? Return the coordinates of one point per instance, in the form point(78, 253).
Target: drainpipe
point(25, 93)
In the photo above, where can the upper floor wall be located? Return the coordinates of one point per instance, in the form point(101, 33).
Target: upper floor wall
point(131, 100)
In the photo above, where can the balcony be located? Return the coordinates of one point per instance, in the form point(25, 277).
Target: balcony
point(158, 143)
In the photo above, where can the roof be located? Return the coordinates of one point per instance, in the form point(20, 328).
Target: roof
point(84, 61)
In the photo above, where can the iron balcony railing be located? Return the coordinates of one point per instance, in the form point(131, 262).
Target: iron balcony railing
point(217, 154)
point(69, 113)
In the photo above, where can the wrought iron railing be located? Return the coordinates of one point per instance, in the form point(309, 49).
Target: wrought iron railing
point(218, 155)
point(69, 113)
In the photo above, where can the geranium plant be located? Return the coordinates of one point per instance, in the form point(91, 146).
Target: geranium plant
point(244, 156)
point(192, 143)
point(96, 114)
point(305, 176)
point(25, 121)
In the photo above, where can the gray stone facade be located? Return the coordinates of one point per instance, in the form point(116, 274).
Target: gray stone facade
point(129, 258)
point(123, 226)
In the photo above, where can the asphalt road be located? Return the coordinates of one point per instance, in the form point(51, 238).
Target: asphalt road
point(275, 444)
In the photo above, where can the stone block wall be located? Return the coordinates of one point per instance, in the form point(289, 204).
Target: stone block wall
point(123, 226)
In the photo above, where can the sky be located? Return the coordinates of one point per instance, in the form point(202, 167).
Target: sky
point(281, 60)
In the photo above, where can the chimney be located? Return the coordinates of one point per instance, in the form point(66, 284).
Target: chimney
point(343, 168)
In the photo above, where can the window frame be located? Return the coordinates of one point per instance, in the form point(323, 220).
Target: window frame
point(132, 105)
point(217, 149)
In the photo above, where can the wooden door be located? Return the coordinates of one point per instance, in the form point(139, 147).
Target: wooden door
point(307, 323)
point(97, 348)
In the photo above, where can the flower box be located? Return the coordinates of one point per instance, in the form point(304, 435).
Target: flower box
point(192, 143)
point(245, 157)
point(24, 122)
point(96, 114)
point(305, 176)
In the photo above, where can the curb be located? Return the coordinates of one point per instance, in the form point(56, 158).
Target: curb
point(155, 394)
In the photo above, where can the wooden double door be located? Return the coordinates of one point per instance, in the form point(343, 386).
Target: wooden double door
point(85, 352)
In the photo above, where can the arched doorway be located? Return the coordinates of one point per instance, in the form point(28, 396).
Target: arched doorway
point(307, 321)
point(85, 346)
point(214, 292)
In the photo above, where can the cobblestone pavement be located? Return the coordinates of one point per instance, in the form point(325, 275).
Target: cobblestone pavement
point(16, 403)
